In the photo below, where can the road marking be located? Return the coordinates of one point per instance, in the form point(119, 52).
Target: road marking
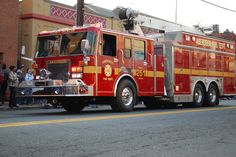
point(73, 120)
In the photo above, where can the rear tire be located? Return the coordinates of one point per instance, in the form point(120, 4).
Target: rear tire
point(126, 97)
point(198, 96)
point(74, 105)
point(212, 96)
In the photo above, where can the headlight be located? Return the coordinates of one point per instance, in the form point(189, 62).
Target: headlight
point(76, 75)
point(57, 91)
point(22, 92)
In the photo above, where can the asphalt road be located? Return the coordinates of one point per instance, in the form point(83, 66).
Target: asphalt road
point(180, 132)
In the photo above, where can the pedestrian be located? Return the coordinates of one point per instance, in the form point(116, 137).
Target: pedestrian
point(29, 77)
point(13, 83)
point(1, 82)
point(20, 73)
point(4, 85)
point(21, 77)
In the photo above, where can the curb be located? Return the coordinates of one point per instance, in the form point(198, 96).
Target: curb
point(21, 107)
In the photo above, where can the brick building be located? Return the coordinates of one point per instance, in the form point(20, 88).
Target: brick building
point(9, 15)
point(225, 35)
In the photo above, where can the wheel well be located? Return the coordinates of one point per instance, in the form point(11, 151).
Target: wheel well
point(122, 79)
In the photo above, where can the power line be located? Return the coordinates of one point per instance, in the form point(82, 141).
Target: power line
point(219, 6)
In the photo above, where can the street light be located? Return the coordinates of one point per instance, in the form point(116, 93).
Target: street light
point(176, 11)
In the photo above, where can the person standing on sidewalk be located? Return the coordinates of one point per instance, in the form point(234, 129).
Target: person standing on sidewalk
point(13, 82)
point(21, 77)
point(4, 85)
point(1, 82)
point(29, 77)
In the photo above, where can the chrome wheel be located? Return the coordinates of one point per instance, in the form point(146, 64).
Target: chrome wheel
point(127, 96)
point(198, 96)
point(212, 96)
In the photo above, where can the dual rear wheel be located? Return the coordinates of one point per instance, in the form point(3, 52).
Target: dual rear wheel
point(212, 98)
point(200, 98)
point(203, 98)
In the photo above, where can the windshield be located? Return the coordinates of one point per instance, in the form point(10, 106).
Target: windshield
point(61, 45)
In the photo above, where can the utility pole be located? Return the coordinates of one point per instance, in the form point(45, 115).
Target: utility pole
point(80, 13)
point(176, 11)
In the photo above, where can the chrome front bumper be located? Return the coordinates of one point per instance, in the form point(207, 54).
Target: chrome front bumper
point(53, 88)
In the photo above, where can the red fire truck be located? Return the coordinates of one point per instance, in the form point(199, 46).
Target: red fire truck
point(82, 64)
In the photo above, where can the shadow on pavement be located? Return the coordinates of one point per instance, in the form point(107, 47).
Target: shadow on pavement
point(107, 110)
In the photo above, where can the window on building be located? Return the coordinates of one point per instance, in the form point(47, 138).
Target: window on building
point(128, 48)
point(109, 45)
point(139, 49)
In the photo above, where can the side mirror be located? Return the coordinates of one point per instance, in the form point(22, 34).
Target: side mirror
point(85, 46)
point(23, 55)
point(22, 50)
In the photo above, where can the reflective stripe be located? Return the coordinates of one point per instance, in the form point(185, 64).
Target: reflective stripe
point(229, 74)
point(199, 72)
point(182, 71)
point(117, 71)
point(160, 74)
point(203, 72)
point(92, 70)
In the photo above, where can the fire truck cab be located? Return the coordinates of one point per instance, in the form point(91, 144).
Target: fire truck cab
point(82, 64)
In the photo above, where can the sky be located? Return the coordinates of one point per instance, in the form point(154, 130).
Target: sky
point(189, 12)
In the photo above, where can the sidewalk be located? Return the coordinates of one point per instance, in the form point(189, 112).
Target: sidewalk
point(5, 107)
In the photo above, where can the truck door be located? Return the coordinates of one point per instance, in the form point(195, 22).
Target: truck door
point(158, 70)
point(125, 54)
point(107, 62)
point(140, 68)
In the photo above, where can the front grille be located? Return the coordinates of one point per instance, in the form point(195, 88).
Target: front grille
point(59, 71)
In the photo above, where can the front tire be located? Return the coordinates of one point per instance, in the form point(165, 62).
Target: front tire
point(126, 97)
point(212, 96)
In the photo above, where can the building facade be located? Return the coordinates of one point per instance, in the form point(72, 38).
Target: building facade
point(40, 15)
point(9, 16)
